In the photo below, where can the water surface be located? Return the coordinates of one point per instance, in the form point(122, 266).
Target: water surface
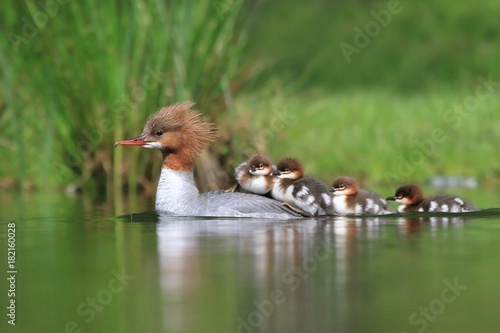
point(80, 269)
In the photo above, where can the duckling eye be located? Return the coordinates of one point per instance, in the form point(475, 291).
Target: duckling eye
point(260, 166)
point(159, 133)
point(341, 187)
point(286, 170)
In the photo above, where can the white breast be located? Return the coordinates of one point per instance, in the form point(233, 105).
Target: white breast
point(340, 205)
point(257, 185)
point(284, 195)
point(177, 193)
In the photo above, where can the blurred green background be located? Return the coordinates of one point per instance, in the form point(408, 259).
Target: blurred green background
point(388, 92)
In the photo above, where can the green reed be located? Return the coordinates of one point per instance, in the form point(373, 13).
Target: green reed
point(78, 76)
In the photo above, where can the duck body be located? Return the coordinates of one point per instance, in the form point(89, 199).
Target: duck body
point(177, 194)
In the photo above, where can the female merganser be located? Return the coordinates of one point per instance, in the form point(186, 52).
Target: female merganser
point(348, 198)
point(412, 199)
point(300, 191)
point(181, 134)
point(254, 175)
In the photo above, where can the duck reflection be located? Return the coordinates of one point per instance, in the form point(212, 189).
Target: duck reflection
point(248, 275)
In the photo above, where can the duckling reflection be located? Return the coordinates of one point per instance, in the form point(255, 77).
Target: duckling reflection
point(414, 225)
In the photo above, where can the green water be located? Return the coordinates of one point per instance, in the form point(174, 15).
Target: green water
point(80, 271)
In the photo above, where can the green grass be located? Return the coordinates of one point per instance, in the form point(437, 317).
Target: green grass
point(381, 137)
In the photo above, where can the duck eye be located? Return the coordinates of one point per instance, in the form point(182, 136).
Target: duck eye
point(261, 166)
point(159, 133)
point(286, 170)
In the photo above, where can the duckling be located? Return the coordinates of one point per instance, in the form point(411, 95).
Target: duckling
point(254, 175)
point(412, 199)
point(348, 198)
point(300, 191)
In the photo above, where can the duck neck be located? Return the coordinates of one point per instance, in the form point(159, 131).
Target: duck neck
point(182, 160)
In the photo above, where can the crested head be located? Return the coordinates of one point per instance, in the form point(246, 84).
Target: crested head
point(176, 123)
point(178, 132)
point(289, 168)
point(260, 165)
point(408, 195)
point(344, 186)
